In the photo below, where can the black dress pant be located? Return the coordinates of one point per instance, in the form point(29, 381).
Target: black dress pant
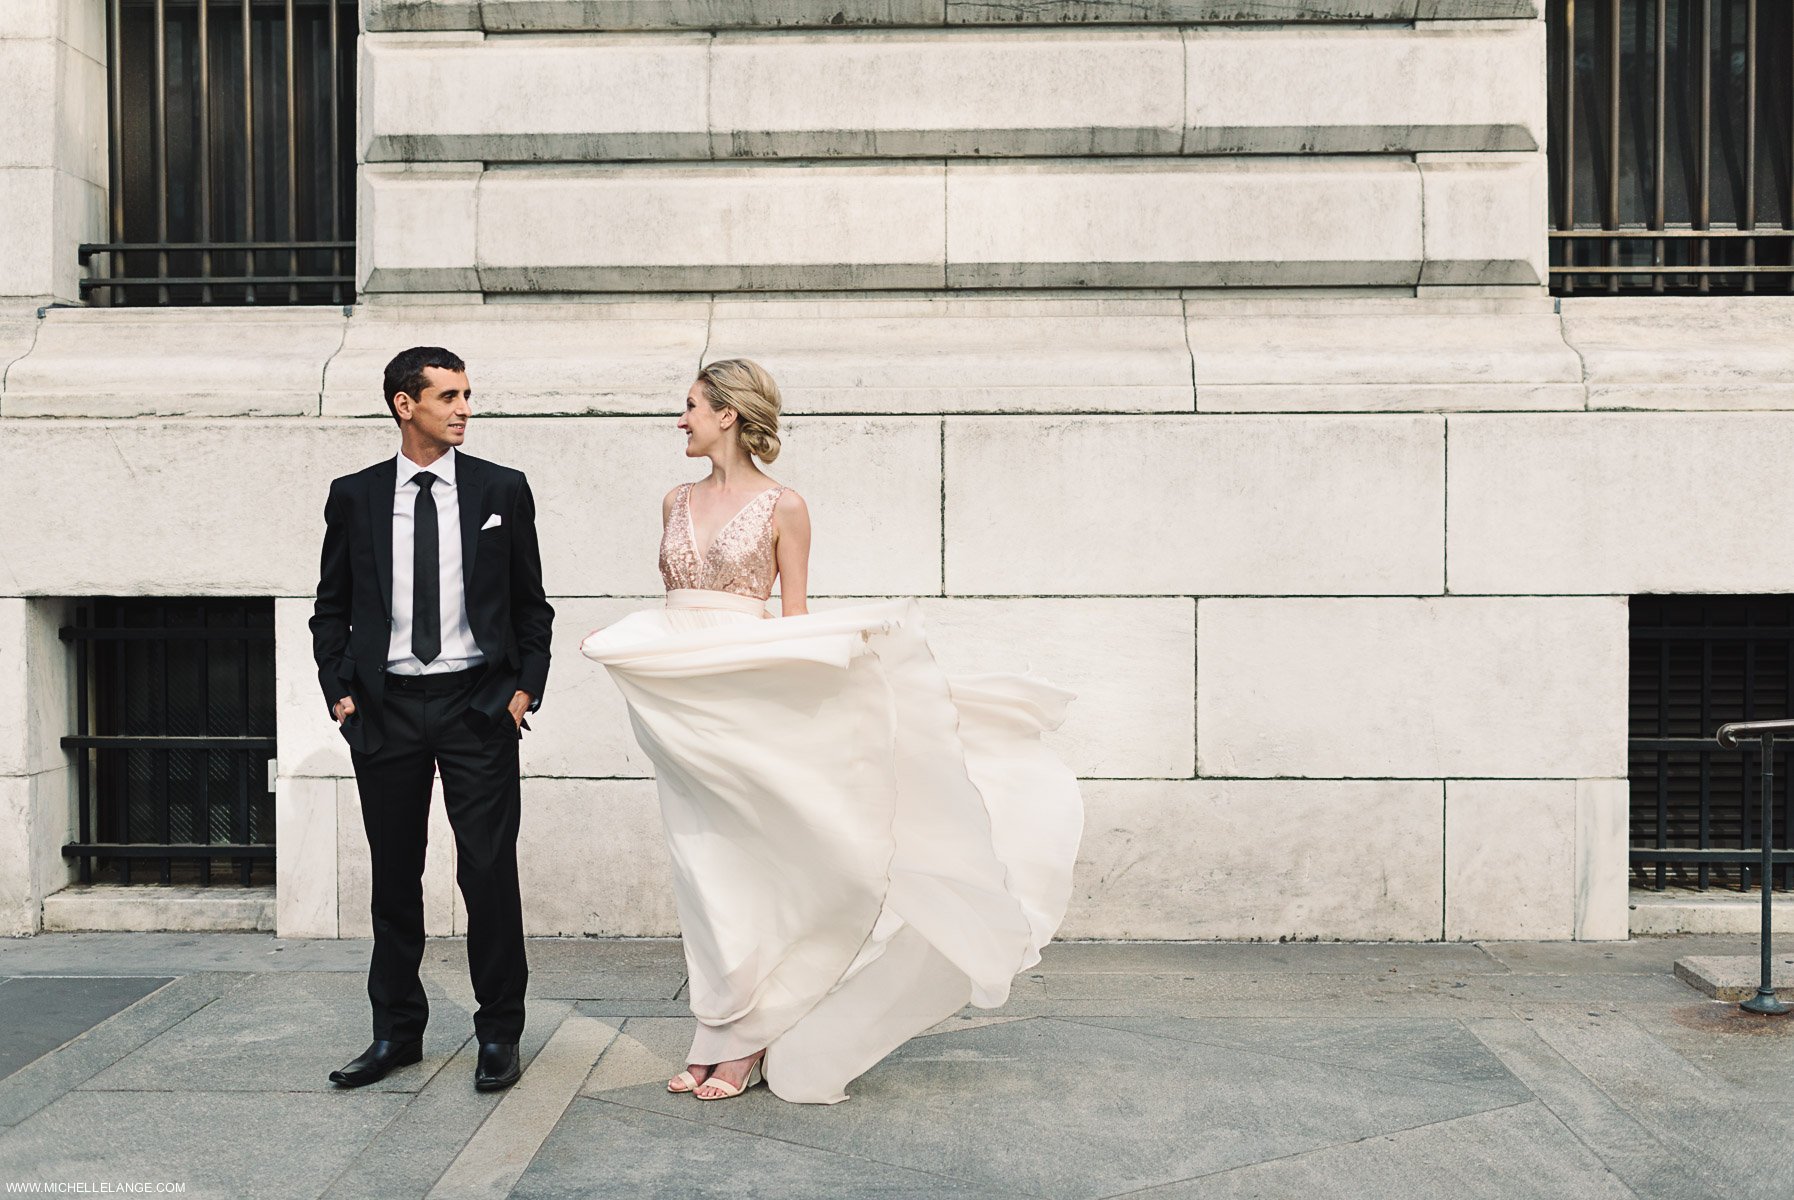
point(429, 728)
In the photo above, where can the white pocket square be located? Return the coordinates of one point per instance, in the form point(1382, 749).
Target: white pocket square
point(492, 522)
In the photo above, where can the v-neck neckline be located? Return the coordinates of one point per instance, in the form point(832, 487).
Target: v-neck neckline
point(691, 526)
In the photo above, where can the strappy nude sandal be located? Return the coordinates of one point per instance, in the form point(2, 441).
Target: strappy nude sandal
point(683, 1082)
point(729, 1090)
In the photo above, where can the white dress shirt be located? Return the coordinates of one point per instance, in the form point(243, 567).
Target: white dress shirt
point(459, 651)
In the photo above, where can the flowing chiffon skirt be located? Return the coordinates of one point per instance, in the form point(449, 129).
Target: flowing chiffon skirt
point(860, 844)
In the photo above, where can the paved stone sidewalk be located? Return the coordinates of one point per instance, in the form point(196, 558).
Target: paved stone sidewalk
point(1174, 1072)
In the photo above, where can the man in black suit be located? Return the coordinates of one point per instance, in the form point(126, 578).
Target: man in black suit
point(431, 633)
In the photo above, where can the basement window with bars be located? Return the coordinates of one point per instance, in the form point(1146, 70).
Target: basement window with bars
point(232, 154)
point(1697, 663)
point(1671, 146)
point(173, 741)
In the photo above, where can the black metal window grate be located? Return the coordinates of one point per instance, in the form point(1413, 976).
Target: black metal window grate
point(1698, 662)
point(233, 154)
point(1671, 146)
point(174, 731)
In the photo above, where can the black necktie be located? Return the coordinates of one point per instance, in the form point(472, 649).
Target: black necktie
point(426, 579)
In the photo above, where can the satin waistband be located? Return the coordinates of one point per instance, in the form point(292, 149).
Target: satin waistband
point(704, 598)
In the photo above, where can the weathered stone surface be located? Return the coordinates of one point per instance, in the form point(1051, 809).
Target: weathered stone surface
point(673, 228)
point(1131, 662)
point(1380, 355)
point(36, 700)
point(1736, 977)
point(1335, 91)
point(1510, 859)
point(27, 121)
point(1126, 223)
point(422, 15)
point(1260, 859)
point(1194, 505)
point(305, 888)
point(533, 15)
point(1674, 352)
point(510, 100)
point(416, 227)
point(970, 92)
point(21, 901)
point(142, 907)
point(531, 360)
point(1621, 503)
point(582, 731)
point(1603, 869)
point(1528, 687)
point(173, 508)
point(1485, 218)
point(175, 362)
point(49, 213)
point(592, 859)
point(951, 92)
point(1660, 914)
point(963, 355)
point(580, 15)
point(1207, 11)
point(18, 330)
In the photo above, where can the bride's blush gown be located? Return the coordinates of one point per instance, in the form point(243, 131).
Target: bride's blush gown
point(860, 844)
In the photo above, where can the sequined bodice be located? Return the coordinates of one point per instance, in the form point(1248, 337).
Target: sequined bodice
point(739, 558)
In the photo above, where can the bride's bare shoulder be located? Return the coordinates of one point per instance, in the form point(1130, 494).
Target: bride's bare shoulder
point(790, 505)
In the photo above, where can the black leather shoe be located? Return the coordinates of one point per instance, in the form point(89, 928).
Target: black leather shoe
point(499, 1066)
point(376, 1061)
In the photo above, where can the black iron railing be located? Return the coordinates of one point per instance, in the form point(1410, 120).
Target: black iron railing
point(1765, 734)
point(1671, 146)
point(174, 731)
point(233, 161)
point(1698, 662)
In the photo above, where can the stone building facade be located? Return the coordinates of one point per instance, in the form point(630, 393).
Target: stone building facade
point(1198, 354)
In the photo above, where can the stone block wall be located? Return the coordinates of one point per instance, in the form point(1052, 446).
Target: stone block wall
point(516, 149)
point(1340, 581)
point(1194, 355)
point(53, 147)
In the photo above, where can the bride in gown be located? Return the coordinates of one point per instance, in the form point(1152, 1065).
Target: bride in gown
point(860, 844)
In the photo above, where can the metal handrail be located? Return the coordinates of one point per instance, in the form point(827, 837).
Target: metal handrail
point(1764, 734)
point(1750, 731)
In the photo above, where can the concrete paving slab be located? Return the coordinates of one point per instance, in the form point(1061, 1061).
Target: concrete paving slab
point(223, 1145)
point(38, 1015)
point(1751, 1053)
point(1640, 956)
point(284, 1033)
point(408, 1155)
point(1439, 1049)
point(646, 1050)
point(1521, 1150)
point(1296, 1070)
point(597, 1153)
point(1736, 977)
point(987, 1106)
point(175, 954)
point(500, 1151)
point(41, 1082)
point(1624, 1146)
point(1735, 1142)
point(1301, 958)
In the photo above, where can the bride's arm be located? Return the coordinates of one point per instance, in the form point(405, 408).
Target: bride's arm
point(791, 550)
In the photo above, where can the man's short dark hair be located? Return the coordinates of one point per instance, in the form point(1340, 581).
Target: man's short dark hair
point(405, 373)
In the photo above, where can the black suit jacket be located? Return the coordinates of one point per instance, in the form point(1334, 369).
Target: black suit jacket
point(501, 571)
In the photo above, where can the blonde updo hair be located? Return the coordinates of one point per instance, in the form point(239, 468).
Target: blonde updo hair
point(745, 386)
